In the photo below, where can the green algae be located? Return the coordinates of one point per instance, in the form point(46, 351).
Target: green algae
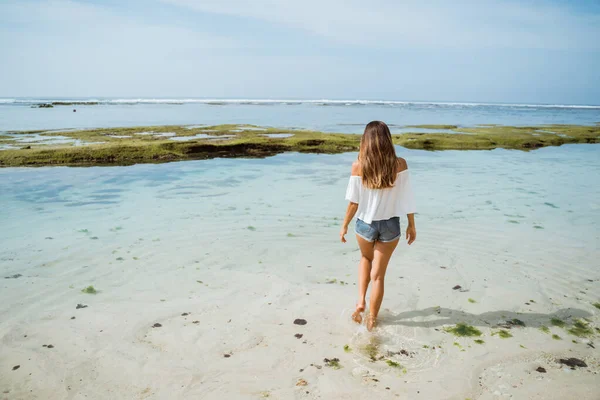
point(544, 329)
point(347, 348)
point(393, 364)
point(556, 337)
point(251, 228)
point(479, 341)
point(558, 322)
point(471, 300)
point(290, 235)
point(89, 290)
point(462, 330)
point(371, 349)
point(504, 334)
point(249, 141)
point(581, 329)
point(333, 363)
point(597, 305)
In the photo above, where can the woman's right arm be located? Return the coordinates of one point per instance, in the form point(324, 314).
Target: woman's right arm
point(411, 230)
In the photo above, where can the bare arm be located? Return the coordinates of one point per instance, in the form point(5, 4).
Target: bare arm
point(411, 230)
point(350, 212)
point(352, 207)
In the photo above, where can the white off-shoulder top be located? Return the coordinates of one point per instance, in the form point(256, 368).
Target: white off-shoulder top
point(382, 204)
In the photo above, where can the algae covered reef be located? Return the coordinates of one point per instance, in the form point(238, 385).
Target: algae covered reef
point(154, 144)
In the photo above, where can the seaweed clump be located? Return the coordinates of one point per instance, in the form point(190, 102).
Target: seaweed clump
point(558, 322)
point(504, 334)
point(581, 329)
point(462, 329)
point(332, 363)
point(89, 290)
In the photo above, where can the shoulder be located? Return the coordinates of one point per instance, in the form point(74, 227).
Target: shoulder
point(356, 168)
point(402, 165)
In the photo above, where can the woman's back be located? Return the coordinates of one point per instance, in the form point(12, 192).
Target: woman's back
point(381, 204)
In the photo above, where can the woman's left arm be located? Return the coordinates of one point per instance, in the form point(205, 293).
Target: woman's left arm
point(350, 212)
point(411, 230)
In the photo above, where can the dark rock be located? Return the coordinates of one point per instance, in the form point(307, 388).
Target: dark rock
point(573, 362)
point(26, 148)
point(72, 317)
point(195, 322)
point(298, 335)
point(299, 321)
point(156, 325)
point(16, 367)
point(185, 314)
point(15, 276)
point(226, 355)
point(387, 388)
point(80, 306)
point(590, 344)
point(541, 370)
point(457, 287)
point(49, 237)
point(50, 346)
point(512, 323)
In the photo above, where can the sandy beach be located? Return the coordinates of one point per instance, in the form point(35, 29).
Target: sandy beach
point(204, 269)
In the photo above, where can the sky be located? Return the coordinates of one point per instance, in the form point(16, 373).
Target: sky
point(527, 51)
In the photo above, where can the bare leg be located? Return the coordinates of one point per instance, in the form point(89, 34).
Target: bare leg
point(381, 258)
point(364, 276)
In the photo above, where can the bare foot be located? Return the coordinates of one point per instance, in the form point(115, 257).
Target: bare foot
point(357, 314)
point(371, 322)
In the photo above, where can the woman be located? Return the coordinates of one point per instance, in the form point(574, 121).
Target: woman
point(379, 191)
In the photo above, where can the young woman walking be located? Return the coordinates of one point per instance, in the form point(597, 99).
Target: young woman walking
point(379, 192)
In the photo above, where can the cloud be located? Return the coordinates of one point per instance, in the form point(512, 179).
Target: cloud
point(420, 24)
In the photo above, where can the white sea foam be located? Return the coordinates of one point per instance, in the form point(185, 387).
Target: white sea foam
point(325, 102)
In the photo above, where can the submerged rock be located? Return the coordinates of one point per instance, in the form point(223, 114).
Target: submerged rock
point(15, 276)
point(299, 321)
point(157, 325)
point(541, 370)
point(573, 362)
point(80, 306)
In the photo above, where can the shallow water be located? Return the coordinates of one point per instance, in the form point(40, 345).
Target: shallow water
point(550, 194)
point(247, 245)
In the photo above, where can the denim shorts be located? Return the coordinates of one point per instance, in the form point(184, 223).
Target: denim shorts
point(384, 231)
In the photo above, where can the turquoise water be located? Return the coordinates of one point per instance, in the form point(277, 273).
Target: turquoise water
point(498, 199)
point(248, 245)
point(325, 115)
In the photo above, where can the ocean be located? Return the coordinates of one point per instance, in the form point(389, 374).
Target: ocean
point(346, 116)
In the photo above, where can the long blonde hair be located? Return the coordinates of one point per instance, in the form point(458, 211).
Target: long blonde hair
point(377, 156)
